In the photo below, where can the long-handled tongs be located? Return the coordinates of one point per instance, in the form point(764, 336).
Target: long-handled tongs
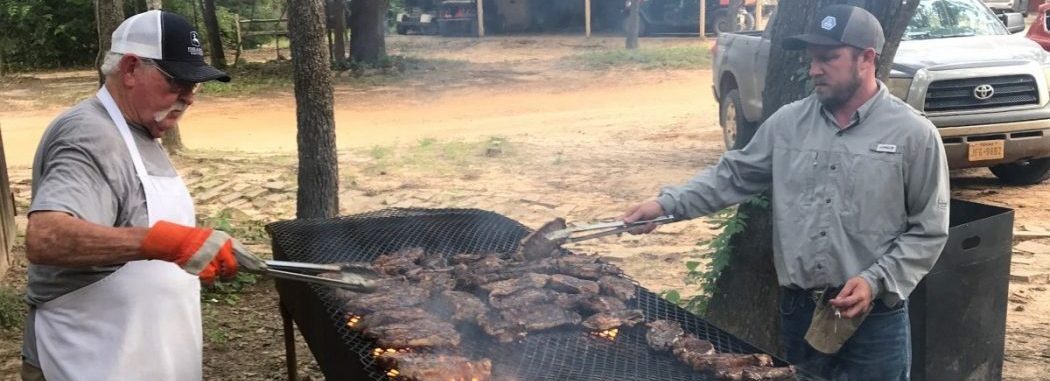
point(603, 228)
point(351, 277)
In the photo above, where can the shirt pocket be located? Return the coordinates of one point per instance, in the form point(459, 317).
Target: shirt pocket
point(795, 175)
point(875, 194)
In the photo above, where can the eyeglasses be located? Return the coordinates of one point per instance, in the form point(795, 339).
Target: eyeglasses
point(175, 86)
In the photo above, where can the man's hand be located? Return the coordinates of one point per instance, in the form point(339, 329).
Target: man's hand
point(854, 299)
point(203, 252)
point(647, 210)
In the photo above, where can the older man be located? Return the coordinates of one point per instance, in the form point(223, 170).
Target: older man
point(860, 204)
point(115, 259)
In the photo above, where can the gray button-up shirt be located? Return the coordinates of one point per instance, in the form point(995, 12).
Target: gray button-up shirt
point(870, 199)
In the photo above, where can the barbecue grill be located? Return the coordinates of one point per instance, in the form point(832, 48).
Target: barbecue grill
point(556, 355)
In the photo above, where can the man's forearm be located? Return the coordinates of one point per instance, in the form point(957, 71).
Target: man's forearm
point(58, 239)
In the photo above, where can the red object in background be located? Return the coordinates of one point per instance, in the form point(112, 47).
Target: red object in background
point(1037, 31)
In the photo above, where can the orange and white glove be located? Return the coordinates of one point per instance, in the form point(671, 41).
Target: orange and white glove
point(203, 252)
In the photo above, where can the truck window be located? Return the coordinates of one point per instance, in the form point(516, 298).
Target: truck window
point(952, 18)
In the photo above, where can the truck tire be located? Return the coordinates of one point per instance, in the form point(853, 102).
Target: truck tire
point(736, 130)
point(723, 23)
point(1023, 173)
point(402, 30)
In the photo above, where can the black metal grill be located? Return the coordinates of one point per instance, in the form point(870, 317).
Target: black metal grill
point(958, 94)
point(558, 355)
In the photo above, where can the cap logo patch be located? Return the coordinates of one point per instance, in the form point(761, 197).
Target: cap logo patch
point(195, 45)
point(828, 23)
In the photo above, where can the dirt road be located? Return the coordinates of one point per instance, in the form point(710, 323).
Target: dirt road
point(573, 143)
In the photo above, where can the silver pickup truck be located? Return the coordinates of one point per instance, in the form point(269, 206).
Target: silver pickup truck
point(986, 89)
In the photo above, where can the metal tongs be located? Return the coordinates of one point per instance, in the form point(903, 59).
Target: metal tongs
point(358, 278)
point(603, 228)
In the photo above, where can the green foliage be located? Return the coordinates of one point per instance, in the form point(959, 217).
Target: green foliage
point(717, 251)
point(688, 57)
point(228, 291)
point(12, 309)
point(46, 34)
point(252, 78)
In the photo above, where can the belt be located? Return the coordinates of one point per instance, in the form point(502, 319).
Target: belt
point(828, 293)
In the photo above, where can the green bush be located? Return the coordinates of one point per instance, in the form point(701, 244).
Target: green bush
point(12, 309)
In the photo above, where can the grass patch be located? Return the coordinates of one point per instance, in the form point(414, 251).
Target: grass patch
point(12, 309)
point(681, 57)
point(435, 156)
point(250, 78)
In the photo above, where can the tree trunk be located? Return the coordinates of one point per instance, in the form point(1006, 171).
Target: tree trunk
point(108, 16)
point(367, 31)
point(318, 194)
point(731, 15)
point(337, 15)
point(154, 4)
point(745, 298)
point(211, 22)
point(632, 25)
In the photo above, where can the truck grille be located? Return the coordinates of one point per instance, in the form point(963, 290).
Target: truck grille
point(963, 94)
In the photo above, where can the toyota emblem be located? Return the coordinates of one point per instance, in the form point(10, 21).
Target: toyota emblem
point(983, 92)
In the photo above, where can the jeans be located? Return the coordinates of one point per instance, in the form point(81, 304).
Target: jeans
point(880, 349)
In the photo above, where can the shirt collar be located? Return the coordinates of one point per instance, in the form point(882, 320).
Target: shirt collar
point(863, 112)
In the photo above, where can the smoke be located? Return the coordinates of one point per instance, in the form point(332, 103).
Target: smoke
point(179, 106)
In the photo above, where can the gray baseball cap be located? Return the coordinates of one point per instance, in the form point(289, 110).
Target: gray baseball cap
point(837, 25)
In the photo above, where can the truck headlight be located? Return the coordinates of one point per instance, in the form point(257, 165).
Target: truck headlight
point(899, 87)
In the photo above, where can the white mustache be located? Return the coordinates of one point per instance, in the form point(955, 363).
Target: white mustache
point(161, 115)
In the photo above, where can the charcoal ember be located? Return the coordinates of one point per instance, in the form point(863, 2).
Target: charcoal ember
point(463, 306)
point(429, 366)
point(540, 317)
point(510, 286)
point(399, 262)
point(415, 334)
point(601, 303)
point(617, 286)
point(691, 346)
point(590, 271)
point(500, 329)
point(662, 334)
point(523, 298)
point(397, 295)
point(536, 245)
point(572, 285)
point(756, 373)
point(394, 315)
point(608, 320)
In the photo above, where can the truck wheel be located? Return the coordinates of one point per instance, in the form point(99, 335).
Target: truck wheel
point(1023, 173)
point(736, 130)
point(402, 30)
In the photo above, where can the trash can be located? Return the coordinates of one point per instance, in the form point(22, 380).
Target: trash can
point(958, 311)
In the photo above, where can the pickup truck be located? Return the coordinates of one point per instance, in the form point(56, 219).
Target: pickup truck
point(986, 90)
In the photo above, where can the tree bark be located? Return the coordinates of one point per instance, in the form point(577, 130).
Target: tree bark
point(367, 31)
point(337, 14)
point(318, 195)
point(154, 4)
point(745, 298)
point(211, 21)
point(632, 25)
point(108, 16)
point(731, 15)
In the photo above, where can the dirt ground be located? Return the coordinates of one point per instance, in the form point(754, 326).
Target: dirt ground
point(512, 126)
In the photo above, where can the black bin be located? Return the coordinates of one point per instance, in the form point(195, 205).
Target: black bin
point(958, 312)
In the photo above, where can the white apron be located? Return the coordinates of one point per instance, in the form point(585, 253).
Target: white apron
point(143, 321)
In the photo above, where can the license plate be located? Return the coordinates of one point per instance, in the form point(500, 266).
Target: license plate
point(987, 150)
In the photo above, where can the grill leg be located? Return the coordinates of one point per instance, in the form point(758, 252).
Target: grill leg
point(289, 343)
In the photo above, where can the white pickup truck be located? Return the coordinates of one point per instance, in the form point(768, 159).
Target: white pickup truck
point(986, 89)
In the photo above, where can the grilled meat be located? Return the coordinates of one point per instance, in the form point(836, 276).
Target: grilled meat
point(399, 294)
point(463, 306)
point(399, 261)
point(536, 245)
point(510, 286)
point(617, 286)
point(662, 334)
point(415, 334)
point(690, 346)
point(433, 260)
point(433, 280)
point(601, 303)
point(572, 285)
point(591, 271)
point(464, 258)
point(609, 320)
point(524, 298)
point(394, 315)
point(569, 301)
point(724, 361)
point(756, 373)
point(500, 329)
point(428, 366)
point(540, 317)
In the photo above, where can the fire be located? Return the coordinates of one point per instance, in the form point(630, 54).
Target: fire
point(392, 373)
point(609, 334)
point(387, 351)
point(352, 321)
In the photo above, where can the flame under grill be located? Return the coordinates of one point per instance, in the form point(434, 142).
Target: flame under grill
point(555, 355)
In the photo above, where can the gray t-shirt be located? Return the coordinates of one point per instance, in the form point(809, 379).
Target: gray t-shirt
point(82, 167)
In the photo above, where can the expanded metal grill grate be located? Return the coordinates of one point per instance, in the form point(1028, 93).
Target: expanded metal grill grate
point(557, 355)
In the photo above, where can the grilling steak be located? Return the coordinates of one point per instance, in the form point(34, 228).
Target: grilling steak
point(510, 286)
point(536, 245)
point(399, 261)
point(540, 317)
point(601, 303)
point(662, 334)
point(463, 306)
point(617, 286)
point(524, 298)
point(395, 315)
point(427, 367)
point(415, 334)
point(572, 285)
point(501, 330)
point(400, 294)
point(591, 271)
point(608, 320)
point(757, 373)
point(691, 346)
